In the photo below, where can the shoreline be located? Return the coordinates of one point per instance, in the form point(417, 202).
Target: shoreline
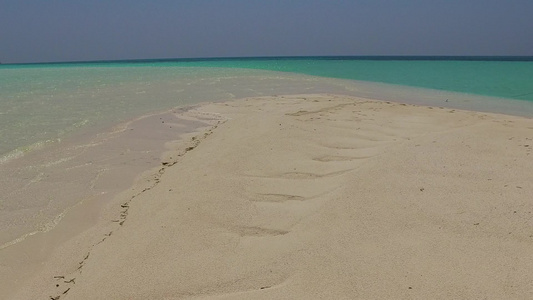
point(191, 86)
point(108, 167)
point(323, 171)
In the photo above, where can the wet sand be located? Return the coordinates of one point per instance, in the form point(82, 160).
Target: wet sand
point(53, 195)
point(312, 197)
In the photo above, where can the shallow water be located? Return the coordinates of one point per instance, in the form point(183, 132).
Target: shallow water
point(503, 77)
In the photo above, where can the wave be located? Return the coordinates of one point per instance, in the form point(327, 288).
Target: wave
point(42, 229)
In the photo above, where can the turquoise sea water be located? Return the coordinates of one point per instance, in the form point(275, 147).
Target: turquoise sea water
point(504, 77)
point(42, 103)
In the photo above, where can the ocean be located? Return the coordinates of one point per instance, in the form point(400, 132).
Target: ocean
point(43, 105)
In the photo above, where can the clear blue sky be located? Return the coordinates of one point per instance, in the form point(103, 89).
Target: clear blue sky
point(74, 30)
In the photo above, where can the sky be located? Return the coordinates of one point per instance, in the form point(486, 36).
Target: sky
point(76, 30)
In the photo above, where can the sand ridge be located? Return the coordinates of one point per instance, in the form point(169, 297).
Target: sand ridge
point(325, 197)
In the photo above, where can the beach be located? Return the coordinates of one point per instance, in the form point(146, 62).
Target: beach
point(312, 196)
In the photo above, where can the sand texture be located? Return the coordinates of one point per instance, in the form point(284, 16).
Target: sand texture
point(318, 197)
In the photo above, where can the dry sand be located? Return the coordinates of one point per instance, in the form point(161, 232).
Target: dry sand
point(317, 197)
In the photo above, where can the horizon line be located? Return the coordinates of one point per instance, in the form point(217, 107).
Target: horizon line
point(318, 57)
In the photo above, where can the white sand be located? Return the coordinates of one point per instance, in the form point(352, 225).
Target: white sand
point(318, 197)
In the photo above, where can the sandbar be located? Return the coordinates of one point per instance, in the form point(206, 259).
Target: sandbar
point(315, 196)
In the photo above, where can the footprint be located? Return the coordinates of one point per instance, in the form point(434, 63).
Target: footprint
point(257, 231)
point(328, 158)
point(279, 198)
point(304, 175)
